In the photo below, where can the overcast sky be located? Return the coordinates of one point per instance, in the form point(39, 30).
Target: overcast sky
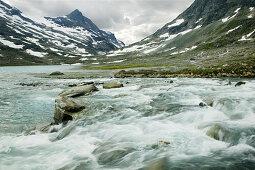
point(129, 20)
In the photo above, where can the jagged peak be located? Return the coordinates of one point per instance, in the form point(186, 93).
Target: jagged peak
point(76, 14)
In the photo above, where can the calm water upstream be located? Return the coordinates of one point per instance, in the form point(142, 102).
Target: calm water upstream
point(149, 123)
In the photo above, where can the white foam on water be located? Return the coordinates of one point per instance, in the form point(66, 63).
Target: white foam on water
point(122, 122)
point(240, 148)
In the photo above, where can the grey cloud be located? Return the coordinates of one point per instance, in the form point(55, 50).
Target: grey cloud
point(130, 20)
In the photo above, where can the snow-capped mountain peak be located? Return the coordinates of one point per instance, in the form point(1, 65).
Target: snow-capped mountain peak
point(58, 39)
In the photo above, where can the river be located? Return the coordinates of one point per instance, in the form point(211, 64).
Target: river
point(149, 123)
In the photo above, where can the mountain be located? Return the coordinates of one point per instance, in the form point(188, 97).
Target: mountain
point(209, 33)
point(68, 39)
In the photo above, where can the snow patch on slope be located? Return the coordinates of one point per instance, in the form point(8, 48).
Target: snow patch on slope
point(177, 22)
point(199, 20)
point(182, 33)
point(10, 44)
point(247, 37)
point(164, 35)
point(154, 49)
point(184, 51)
point(251, 9)
point(117, 61)
point(229, 31)
point(229, 18)
point(34, 53)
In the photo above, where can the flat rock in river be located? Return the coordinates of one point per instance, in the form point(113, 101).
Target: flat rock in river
point(78, 91)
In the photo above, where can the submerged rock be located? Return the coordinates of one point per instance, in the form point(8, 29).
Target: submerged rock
point(113, 157)
point(110, 154)
point(79, 91)
point(72, 85)
point(202, 104)
point(56, 73)
point(112, 84)
point(251, 141)
point(160, 164)
point(218, 132)
point(160, 144)
point(34, 84)
point(82, 163)
point(239, 83)
point(87, 83)
point(120, 95)
point(65, 108)
point(228, 83)
point(44, 127)
point(209, 101)
point(63, 133)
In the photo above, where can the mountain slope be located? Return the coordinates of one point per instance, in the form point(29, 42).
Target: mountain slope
point(209, 32)
point(69, 39)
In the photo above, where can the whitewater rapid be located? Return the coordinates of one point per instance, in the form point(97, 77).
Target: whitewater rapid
point(147, 123)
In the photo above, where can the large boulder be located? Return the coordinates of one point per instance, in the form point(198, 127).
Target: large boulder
point(67, 106)
point(65, 109)
point(78, 91)
point(112, 84)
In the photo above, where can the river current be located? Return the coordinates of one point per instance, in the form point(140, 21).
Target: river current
point(148, 124)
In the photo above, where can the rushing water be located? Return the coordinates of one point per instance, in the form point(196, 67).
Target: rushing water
point(149, 123)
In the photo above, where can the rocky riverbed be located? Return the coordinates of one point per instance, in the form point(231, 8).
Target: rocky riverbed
point(131, 123)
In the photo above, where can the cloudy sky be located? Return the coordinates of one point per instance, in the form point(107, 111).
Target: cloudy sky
point(129, 20)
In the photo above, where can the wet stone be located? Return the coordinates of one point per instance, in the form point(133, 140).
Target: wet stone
point(113, 157)
point(112, 84)
point(239, 83)
point(202, 104)
point(78, 91)
point(160, 164)
point(109, 154)
point(64, 109)
point(56, 73)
